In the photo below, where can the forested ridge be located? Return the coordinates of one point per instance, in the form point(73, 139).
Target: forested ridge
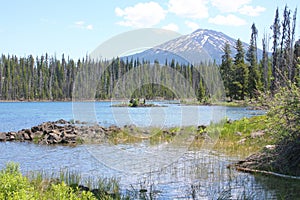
point(244, 76)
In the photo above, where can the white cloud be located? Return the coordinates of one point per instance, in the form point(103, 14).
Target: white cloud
point(195, 9)
point(252, 11)
point(141, 15)
point(192, 25)
point(229, 5)
point(229, 20)
point(171, 27)
point(82, 25)
point(241, 6)
point(90, 27)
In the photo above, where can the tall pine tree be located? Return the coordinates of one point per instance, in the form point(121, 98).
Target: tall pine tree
point(275, 55)
point(241, 72)
point(227, 71)
point(254, 83)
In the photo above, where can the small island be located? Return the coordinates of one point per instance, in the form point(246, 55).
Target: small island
point(136, 102)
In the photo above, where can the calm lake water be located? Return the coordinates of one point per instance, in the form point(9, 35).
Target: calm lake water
point(194, 174)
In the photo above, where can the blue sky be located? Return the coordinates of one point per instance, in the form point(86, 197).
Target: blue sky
point(76, 28)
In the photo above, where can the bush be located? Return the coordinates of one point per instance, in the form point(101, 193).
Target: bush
point(285, 112)
point(13, 185)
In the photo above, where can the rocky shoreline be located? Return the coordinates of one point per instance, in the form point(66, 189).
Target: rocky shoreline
point(72, 133)
point(61, 132)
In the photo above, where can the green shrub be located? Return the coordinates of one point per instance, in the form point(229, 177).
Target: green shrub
point(285, 112)
point(13, 185)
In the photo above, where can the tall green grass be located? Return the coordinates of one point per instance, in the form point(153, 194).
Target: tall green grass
point(65, 186)
point(234, 137)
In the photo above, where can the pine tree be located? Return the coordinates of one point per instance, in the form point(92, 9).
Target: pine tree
point(251, 56)
point(226, 70)
point(297, 63)
point(275, 56)
point(201, 91)
point(241, 72)
point(292, 70)
point(265, 63)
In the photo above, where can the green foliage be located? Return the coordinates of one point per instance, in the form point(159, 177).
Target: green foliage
point(226, 70)
point(254, 83)
point(134, 102)
point(285, 112)
point(234, 138)
point(201, 92)
point(64, 192)
point(15, 186)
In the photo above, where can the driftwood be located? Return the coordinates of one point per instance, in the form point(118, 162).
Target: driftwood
point(264, 172)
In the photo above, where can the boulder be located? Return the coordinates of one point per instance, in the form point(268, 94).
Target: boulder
point(26, 136)
point(11, 136)
point(37, 134)
point(68, 137)
point(2, 136)
point(54, 137)
point(20, 136)
point(36, 128)
point(61, 121)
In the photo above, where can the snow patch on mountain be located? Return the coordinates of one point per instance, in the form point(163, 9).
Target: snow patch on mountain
point(202, 45)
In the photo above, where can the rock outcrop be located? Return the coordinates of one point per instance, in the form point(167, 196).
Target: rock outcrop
point(61, 132)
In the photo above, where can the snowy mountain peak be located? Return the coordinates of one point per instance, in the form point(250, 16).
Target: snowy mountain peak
point(202, 45)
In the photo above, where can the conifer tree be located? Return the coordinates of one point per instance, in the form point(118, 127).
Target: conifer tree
point(251, 56)
point(226, 70)
point(241, 73)
point(275, 56)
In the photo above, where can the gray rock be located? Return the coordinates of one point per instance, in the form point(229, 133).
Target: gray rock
point(2, 136)
point(37, 134)
point(26, 136)
point(238, 133)
point(242, 141)
point(257, 134)
point(270, 147)
point(54, 138)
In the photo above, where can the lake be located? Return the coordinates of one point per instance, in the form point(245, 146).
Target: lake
point(177, 173)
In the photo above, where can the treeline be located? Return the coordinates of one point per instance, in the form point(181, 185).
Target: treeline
point(249, 79)
point(42, 78)
point(49, 78)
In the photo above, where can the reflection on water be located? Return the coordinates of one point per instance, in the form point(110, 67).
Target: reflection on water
point(199, 174)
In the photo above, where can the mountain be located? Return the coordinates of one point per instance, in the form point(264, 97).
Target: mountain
point(200, 46)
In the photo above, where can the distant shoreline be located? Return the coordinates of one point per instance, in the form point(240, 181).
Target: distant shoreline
point(124, 103)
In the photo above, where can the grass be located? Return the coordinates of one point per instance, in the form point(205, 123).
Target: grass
point(216, 103)
point(155, 135)
point(234, 138)
point(65, 186)
point(230, 137)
